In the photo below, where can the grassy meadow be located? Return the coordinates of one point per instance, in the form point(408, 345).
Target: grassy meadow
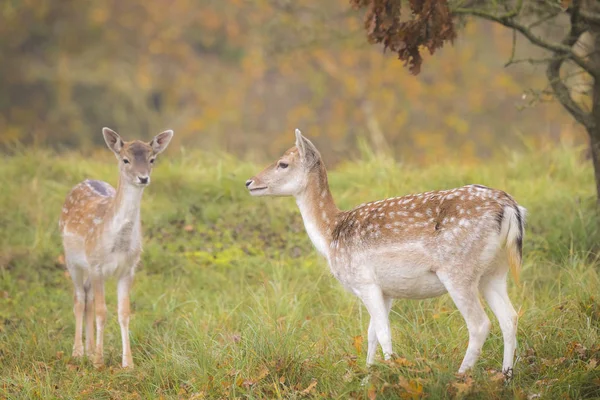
point(231, 300)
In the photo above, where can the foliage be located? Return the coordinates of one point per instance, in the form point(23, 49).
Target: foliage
point(236, 74)
point(429, 26)
point(232, 301)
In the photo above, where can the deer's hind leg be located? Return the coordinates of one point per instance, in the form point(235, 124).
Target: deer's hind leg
point(493, 287)
point(77, 277)
point(465, 294)
point(89, 318)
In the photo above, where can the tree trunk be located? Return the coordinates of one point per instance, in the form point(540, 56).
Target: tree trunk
point(594, 130)
point(595, 150)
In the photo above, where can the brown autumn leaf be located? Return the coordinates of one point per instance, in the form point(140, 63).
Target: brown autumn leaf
point(310, 387)
point(412, 389)
point(403, 362)
point(429, 26)
point(72, 367)
point(246, 382)
point(59, 355)
point(188, 228)
point(282, 379)
point(464, 387)
point(357, 342)
point(496, 376)
point(372, 392)
point(263, 373)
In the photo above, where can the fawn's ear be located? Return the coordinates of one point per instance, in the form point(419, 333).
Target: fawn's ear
point(161, 141)
point(113, 140)
point(308, 152)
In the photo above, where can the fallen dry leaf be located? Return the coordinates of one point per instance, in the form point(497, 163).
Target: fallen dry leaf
point(357, 342)
point(464, 387)
point(263, 372)
point(188, 228)
point(403, 362)
point(310, 387)
point(413, 388)
point(372, 393)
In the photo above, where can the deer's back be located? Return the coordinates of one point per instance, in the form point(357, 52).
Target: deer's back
point(438, 220)
point(85, 208)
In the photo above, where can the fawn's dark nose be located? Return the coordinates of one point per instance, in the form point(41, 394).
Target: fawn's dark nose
point(143, 179)
point(248, 182)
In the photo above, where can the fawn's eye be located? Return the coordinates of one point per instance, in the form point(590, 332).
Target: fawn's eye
point(152, 161)
point(283, 165)
point(125, 161)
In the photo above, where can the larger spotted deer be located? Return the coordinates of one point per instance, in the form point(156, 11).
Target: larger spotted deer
point(461, 241)
point(101, 233)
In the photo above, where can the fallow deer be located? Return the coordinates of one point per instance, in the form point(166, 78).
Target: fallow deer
point(462, 241)
point(101, 234)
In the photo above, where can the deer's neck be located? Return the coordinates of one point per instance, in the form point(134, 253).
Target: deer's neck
point(125, 210)
point(318, 210)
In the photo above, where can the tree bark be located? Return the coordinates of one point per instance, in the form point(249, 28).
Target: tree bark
point(593, 129)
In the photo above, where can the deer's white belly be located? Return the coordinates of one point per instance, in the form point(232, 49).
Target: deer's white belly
point(400, 272)
point(409, 282)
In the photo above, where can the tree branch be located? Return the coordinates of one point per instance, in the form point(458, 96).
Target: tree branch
point(508, 20)
point(587, 16)
point(553, 72)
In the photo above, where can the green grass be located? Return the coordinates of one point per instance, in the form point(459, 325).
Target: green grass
point(232, 301)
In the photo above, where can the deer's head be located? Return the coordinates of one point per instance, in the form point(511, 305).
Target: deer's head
point(136, 158)
point(288, 176)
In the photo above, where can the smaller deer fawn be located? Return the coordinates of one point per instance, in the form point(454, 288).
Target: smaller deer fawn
point(461, 241)
point(101, 233)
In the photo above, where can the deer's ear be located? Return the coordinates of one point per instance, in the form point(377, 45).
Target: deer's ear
point(113, 140)
point(308, 152)
point(161, 141)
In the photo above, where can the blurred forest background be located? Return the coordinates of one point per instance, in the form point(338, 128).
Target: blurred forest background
point(240, 75)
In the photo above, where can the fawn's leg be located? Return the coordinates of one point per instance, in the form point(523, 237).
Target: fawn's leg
point(123, 290)
point(100, 309)
point(89, 318)
point(78, 307)
point(466, 297)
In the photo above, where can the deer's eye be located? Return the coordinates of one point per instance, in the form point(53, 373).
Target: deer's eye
point(283, 165)
point(125, 161)
point(152, 161)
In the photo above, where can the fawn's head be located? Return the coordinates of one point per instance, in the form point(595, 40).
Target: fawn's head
point(288, 176)
point(136, 158)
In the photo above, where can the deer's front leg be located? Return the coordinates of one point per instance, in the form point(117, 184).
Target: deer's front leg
point(123, 289)
point(100, 306)
point(372, 333)
point(379, 307)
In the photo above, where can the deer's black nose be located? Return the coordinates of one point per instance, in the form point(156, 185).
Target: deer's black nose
point(248, 182)
point(143, 179)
